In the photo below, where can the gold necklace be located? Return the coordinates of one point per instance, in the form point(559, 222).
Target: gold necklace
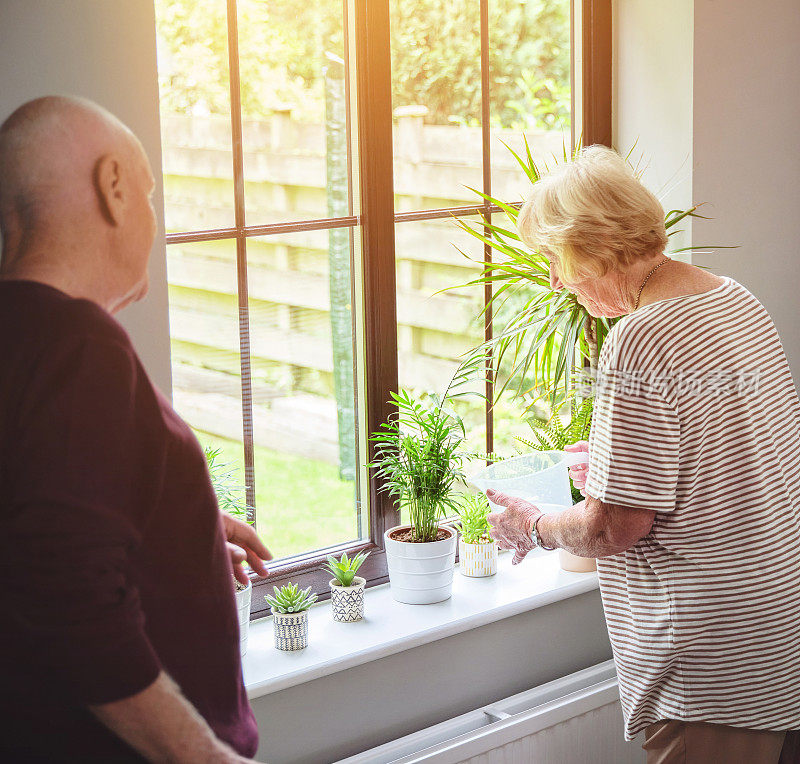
point(639, 295)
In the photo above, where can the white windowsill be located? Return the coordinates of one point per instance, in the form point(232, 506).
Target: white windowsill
point(391, 627)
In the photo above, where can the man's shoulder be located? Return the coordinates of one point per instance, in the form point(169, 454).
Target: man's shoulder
point(43, 316)
point(84, 319)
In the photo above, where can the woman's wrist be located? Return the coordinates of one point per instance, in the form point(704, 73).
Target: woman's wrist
point(543, 530)
point(538, 537)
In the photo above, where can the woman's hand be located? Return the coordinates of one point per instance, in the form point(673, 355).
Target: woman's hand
point(513, 529)
point(244, 545)
point(579, 472)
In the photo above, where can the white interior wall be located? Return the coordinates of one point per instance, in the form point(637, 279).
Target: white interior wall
point(105, 51)
point(652, 97)
point(746, 157)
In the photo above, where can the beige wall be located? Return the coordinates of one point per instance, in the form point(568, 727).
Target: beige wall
point(746, 155)
point(652, 96)
point(104, 50)
point(710, 90)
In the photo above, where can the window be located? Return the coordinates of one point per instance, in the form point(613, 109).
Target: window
point(314, 159)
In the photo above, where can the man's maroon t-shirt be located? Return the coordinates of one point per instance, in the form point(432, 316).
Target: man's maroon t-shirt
point(113, 564)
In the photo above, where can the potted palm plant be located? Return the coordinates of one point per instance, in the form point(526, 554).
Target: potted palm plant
point(289, 607)
point(418, 461)
point(230, 498)
point(347, 589)
point(477, 550)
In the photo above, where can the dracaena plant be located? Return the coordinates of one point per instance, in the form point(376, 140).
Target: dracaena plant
point(344, 569)
point(290, 599)
point(472, 519)
point(544, 334)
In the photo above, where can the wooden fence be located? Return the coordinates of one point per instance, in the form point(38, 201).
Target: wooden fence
point(285, 173)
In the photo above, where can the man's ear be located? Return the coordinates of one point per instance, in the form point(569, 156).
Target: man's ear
point(109, 185)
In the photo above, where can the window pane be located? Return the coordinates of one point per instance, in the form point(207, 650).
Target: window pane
point(434, 329)
point(204, 333)
point(529, 69)
point(295, 130)
point(195, 114)
point(303, 384)
point(436, 96)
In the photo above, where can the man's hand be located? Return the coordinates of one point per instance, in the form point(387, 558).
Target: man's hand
point(579, 472)
point(513, 529)
point(244, 545)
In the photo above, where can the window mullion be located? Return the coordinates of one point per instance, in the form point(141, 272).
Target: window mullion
point(241, 260)
point(374, 98)
point(486, 154)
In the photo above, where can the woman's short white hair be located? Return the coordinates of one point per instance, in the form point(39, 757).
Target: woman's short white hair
point(593, 215)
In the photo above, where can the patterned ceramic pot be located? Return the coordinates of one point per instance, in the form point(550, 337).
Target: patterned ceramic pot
point(291, 630)
point(243, 598)
point(347, 602)
point(477, 560)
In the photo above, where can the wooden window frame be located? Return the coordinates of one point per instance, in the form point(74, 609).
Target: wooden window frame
point(591, 109)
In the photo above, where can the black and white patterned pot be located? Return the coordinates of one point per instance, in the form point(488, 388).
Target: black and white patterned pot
point(291, 630)
point(347, 602)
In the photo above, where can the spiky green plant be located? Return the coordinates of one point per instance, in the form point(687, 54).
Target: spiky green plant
point(472, 519)
point(548, 333)
point(344, 569)
point(230, 495)
point(290, 599)
point(418, 460)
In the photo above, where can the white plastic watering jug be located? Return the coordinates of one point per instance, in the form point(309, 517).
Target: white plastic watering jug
point(540, 477)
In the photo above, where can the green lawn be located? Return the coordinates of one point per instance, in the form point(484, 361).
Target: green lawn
point(301, 504)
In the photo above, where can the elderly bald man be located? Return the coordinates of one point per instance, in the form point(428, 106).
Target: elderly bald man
point(118, 633)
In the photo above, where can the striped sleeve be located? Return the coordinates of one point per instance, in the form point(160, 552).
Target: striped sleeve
point(634, 444)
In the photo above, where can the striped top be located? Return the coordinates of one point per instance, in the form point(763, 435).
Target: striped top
point(697, 417)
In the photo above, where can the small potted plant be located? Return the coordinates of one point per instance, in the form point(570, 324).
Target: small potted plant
point(477, 550)
point(347, 589)
point(230, 498)
point(290, 615)
point(418, 461)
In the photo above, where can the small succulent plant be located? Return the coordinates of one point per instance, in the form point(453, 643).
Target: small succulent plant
point(345, 569)
point(290, 599)
point(472, 514)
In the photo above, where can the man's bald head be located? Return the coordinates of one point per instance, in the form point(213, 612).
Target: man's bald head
point(48, 151)
point(75, 188)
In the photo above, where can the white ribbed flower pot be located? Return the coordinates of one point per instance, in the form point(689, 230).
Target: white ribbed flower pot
point(477, 560)
point(243, 599)
point(420, 574)
point(575, 564)
point(291, 630)
point(347, 602)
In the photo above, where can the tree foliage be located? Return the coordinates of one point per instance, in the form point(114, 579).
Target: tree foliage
point(435, 58)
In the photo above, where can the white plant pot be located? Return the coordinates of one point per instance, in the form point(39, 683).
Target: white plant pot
point(291, 630)
point(420, 574)
point(477, 560)
point(575, 564)
point(347, 602)
point(243, 599)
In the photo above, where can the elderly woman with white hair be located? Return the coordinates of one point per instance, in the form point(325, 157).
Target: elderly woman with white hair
point(692, 499)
